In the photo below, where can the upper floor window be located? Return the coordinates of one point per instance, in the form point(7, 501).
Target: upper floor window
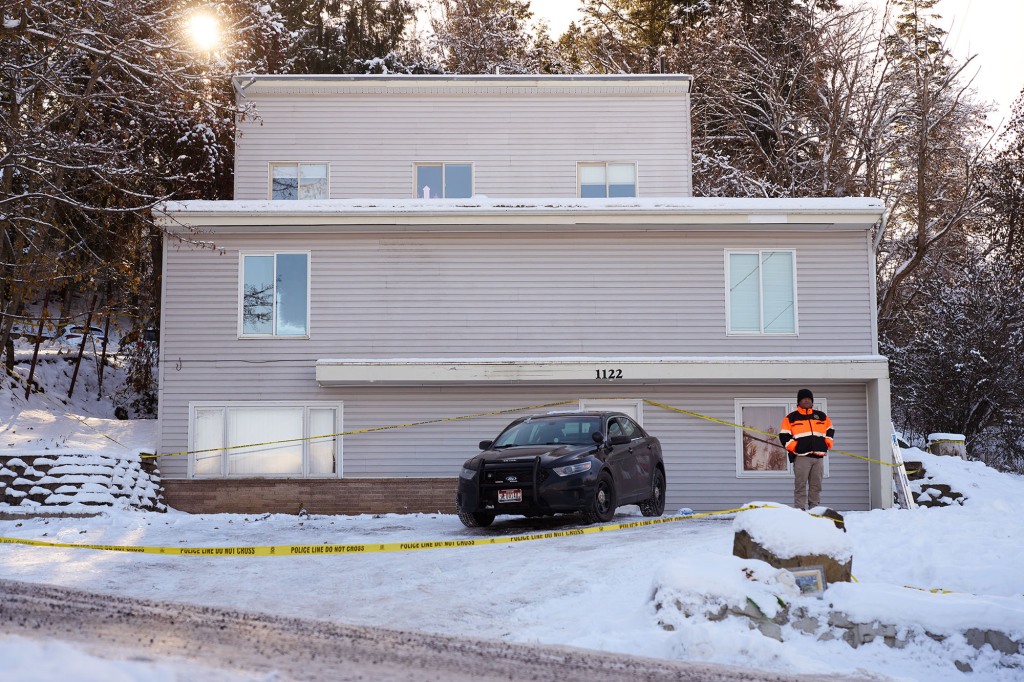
point(607, 180)
point(298, 181)
point(275, 294)
point(761, 292)
point(444, 180)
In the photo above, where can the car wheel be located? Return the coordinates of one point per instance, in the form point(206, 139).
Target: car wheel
point(473, 519)
point(602, 507)
point(655, 504)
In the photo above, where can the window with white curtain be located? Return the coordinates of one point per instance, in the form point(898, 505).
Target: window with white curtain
point(265, 439)
point(761, 289)
point(274, 295)
point(606, 180)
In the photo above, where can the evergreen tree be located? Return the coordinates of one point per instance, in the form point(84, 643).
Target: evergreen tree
point(346, 36)
point(490, 36)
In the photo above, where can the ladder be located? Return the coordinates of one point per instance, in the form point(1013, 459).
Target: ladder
point(903, 496)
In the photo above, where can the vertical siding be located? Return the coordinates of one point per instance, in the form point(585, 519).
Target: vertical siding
point(483, 295)
point(521, 145)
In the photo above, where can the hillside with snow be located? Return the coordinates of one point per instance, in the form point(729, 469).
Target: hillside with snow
point(935, 582)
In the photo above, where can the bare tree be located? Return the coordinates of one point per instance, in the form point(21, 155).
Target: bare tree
point(105, 110)
point(932, 188)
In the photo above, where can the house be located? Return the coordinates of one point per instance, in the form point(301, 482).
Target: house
point(410, 262)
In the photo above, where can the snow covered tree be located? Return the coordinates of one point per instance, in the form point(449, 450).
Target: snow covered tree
point(105, 110)
point(490, 36)
point(957, 362)
point(346, 36)
point(1004, 189)
point(931, 183)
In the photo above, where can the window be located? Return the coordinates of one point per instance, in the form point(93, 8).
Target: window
point(611, 180)
point(275, 295)
point(444, 180)
point(759, 453)
point(623, 426)
point(761, 292)
point(298, 181)
point(265, 439)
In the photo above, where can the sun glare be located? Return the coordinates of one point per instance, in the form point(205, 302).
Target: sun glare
point(205, 31)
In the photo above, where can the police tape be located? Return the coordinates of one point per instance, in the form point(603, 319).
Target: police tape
point(354, 432)
point(374, 548)
point(439, 420)
point(750, 429)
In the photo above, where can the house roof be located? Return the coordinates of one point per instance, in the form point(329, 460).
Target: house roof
point(474, 214)
point(254, 84)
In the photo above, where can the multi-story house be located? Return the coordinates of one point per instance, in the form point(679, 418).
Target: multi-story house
point(411, 262)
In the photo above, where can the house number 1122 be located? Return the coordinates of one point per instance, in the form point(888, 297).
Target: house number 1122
point(609, 373)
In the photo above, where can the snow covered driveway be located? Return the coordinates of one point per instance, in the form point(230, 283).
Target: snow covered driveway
point(255, 646)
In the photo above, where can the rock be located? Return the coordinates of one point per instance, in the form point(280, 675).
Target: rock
point(995, 639)
point(746, 547)
point(770, 629)
point(915, 470)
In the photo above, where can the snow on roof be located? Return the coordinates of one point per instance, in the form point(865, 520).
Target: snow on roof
point(690, 205)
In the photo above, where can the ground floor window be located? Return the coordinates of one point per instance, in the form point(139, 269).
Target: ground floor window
point(265, 439)
point(757, 454)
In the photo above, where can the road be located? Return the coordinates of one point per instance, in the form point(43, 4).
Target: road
point(301, 649)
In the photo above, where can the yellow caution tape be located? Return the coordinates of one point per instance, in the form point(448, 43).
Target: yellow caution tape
point(358, 431)
point(753, 430)
point(326, 548)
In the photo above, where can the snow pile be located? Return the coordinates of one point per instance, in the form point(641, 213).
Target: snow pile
point(789, 532)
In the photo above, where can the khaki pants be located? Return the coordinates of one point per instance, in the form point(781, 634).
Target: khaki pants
point(807, 484)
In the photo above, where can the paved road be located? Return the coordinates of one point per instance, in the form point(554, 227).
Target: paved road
point(300, 649)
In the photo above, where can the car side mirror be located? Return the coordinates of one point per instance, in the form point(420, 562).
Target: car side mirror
point(620, 440)
point(486, 444)
point(598, 437)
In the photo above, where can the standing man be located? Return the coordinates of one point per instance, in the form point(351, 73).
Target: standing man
point(806, 434)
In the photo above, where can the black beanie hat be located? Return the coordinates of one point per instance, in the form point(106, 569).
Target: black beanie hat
point(804, 393)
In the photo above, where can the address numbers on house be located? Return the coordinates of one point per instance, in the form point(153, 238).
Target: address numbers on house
point(608, 373)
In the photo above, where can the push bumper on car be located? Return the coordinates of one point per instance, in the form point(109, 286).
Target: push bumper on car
point(524, 488)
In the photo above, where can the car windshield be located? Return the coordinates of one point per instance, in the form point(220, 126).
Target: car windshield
point(568, 429)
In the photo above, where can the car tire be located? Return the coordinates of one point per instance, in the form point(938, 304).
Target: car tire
point(655, 504)
point(602, 507)
point(473, 519)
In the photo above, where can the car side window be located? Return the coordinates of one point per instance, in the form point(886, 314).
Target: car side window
point(614, 427)
point(627, 427)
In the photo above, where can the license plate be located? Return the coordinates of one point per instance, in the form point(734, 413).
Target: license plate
point(510, 495)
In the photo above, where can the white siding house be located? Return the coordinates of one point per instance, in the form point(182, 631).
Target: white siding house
point(411, 260)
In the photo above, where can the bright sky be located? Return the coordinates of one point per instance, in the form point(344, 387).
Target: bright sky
point(988, 28)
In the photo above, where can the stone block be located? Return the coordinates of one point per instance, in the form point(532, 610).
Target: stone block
point(995, 639)
point(746, 547)
point(806, 625)
point(770, 629)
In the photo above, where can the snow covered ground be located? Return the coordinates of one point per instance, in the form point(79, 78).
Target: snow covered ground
point(593, 590)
